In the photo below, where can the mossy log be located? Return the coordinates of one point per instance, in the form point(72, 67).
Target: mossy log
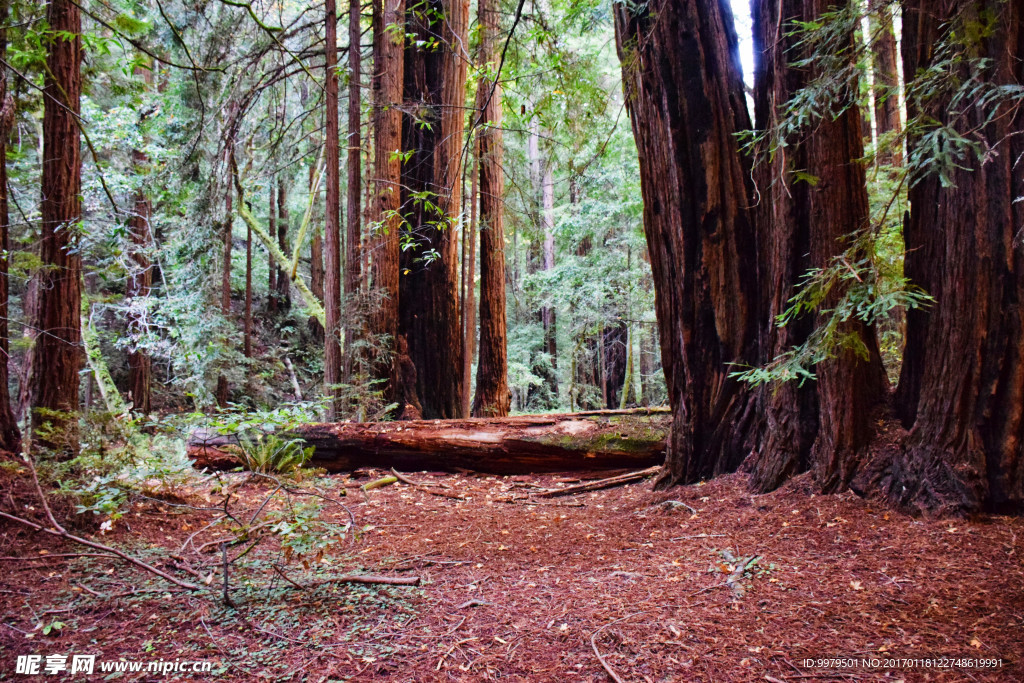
point(600, 440)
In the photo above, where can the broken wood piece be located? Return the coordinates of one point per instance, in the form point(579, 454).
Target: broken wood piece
point(383, 481)
point(423, 487)
point(600, 484)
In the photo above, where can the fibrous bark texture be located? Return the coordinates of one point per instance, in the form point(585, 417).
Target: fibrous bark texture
point(961, 390)
point(57, 355)
point(492, 393)
point(10, 435)
point(432, 130)
point(685, 96)
point(332, 232)
point(382, 242)
point(824, 425)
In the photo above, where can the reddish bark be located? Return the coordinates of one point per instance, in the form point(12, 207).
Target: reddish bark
point(332, 232)
point(382, 244)
point(684, 92)
point(435, 82)
point(10, 435)
point(886, 74)
point(961, 390)
point(824, 425)
point(57, 355)
point(493, 398)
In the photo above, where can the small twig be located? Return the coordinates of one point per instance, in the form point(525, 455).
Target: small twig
point(601, 483)
point(287, 578)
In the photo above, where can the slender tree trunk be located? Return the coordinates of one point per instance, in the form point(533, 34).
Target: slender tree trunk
point(10, 436)
point(284, 296)
point(272, 266)
point(316, 263)
point(469, 284)
point(353, 234)
point(332, 232)
point(685, 95)
point(221, 393)
point(57, 355)
point(382, 244)
point(548, 314)
point(248, 292)
point(435, 83)
point(886, 90)
point(492, 392)
point(827, 424)
point(961, 390)
point(140, 365)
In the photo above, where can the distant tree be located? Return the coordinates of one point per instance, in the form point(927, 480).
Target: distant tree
point(332, 233)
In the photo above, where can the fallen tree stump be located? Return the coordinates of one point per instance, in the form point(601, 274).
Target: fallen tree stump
point(526, 444)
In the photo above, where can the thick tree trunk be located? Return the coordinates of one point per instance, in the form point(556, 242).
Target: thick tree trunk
point(332, 233)
point(825, 425)
point(435, 81)
point(886, 90)
point(492, 393)
point(10, 435)
point(382, 243)
point(57, 354)
point(684, 91)
point(961, 389)
point(604, 440)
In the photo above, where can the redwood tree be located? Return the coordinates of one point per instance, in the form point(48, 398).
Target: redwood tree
point(353, 234)
point(435, 84)
point(10, 436)
point(382, 243)
point(57, 355)
point(684, 91)
point(886, 74)
point(961, 390)
point(492, 393)
point(812, 196)
point(332, 233)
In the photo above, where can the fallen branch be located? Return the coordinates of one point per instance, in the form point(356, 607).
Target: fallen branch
point(379, 483)
point(601, 483)
point(369, 578)
point(99, 546)
point(607, 667)
point(423, 487)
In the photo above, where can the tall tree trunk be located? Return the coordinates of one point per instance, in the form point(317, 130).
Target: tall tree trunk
point(140, 282)
point(548, 313)
point(316, 262)
point(469, 285)
point(332, 232)
point(825, 425)
point(961, 390)
point(886, 90)
point(10, 436)
point(272, 266)
point(353, 235)
point(57, 355)
point(221, 393)
point(382, 244)
point(284, 295)
point(492, 392)
point(435, 83)
point(684, 91)
point(247, 348)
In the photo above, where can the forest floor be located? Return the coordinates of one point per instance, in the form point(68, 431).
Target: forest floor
point(661, 586)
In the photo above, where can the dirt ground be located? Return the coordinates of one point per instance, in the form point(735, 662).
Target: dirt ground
point(702, 583)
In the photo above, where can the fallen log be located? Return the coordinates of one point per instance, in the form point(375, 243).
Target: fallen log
point(526, 444)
